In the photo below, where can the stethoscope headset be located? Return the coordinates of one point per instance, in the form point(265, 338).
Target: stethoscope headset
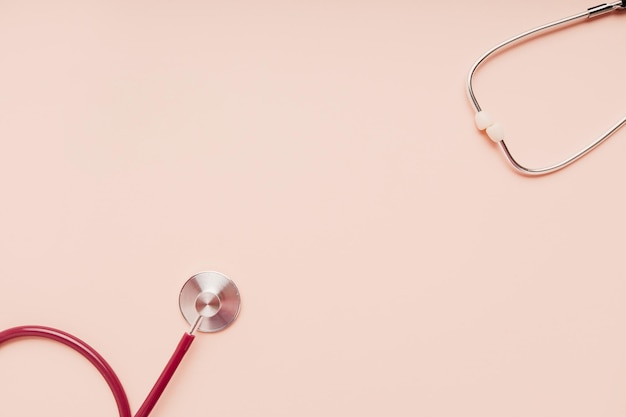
point(495, 131)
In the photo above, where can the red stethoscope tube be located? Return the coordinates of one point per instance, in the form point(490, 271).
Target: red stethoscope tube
point(103, 367)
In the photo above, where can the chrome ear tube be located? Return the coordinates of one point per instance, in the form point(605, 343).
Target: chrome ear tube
point(496, 132)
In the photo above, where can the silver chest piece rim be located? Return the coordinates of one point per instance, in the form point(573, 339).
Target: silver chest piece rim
point(209, 301)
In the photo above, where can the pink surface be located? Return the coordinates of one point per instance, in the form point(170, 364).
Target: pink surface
point(322, 155)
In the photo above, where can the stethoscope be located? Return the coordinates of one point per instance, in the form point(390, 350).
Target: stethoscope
point(209, 301)
point(495, 131)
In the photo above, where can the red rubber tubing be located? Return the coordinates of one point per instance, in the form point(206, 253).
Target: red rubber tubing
point(103, 367)
point(166, 375)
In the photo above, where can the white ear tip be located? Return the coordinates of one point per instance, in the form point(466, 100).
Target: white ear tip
point(496, 132)
point(483, 120)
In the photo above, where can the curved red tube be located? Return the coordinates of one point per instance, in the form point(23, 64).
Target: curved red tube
point(103, 367)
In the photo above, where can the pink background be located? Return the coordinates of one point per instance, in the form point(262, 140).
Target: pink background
point(323, 155)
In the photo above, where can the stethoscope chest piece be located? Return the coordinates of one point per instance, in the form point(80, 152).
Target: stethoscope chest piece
point(209, 301)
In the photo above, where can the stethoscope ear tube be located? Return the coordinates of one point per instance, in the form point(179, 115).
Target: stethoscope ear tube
point(496, 132)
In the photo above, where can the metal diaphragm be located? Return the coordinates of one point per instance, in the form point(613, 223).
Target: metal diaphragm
point(210, 300)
